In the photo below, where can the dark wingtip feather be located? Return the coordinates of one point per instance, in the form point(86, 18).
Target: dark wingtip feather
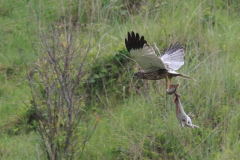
point(133, 41)
point(137, 37)
point(133, 34)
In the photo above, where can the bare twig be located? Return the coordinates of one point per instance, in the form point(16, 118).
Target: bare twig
point(87, 138)
point(53, 87)
point(155, 45)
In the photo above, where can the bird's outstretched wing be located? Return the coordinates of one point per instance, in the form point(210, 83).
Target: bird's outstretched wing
point(173, 58)
point(143, 53)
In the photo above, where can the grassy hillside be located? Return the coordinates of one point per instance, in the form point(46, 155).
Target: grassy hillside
point(133, 122)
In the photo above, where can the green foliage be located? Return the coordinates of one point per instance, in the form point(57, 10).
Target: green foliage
point(109, 70)
point(108, 73)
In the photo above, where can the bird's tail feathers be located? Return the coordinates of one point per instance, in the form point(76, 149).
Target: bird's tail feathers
point(181, 75)
point(186, 77)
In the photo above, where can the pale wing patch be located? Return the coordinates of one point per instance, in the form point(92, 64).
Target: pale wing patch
point(147, 59)
point(174, 60)
point(173, 72)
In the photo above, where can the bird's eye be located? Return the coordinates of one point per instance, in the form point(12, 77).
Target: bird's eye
point(183, 120)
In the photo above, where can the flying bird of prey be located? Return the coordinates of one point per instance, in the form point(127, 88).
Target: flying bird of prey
point(155, 67)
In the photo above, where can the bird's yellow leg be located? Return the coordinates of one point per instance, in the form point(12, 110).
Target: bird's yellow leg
point(169, 83)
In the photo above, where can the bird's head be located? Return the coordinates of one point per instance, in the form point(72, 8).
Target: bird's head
point(138, 74)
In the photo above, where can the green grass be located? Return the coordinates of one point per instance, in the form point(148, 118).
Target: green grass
point(20, 147)
point(130, 127)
